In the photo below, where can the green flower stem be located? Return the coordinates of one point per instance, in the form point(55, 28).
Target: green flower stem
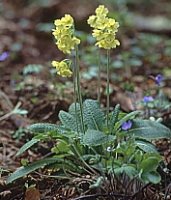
point(85, 164)
point(75, 96)
point(79, 88)
point(108, 103)
point(148, 113)
point(99, 78)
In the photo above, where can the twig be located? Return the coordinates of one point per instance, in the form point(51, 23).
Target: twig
point(168, 190)
point(103, 195)
point(11, 112)
point(52, 176)
point(141, 189)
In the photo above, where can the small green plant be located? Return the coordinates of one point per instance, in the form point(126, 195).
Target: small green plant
point(155, 105)
point(91, 140)
point(16, 110)
point(32, 68)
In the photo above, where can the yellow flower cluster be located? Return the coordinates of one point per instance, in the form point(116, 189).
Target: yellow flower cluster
point(64, 34)
point(105, 28)
point(63, 68)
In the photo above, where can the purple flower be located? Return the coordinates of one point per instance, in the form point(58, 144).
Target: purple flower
point(126, 125)
point(4, 56)
point(148, 99)
point(158, 79)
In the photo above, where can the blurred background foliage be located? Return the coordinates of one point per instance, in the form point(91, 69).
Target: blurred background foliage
point(144, 33)
point(25, 27)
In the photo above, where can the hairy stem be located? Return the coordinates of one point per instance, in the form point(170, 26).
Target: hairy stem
point(92, 171)
point(75, 95)
point(99, 78)
point(79, 88)
point(108, 103)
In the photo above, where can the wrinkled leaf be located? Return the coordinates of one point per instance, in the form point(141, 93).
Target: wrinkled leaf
point(26, 146)
point(95, 138)
point(146, 146)
point(93, 115)
point(23, 171)
point(149, 129)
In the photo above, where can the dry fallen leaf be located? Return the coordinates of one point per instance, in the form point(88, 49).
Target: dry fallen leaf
point(5, 194)
point(125, 102)
point(32, 194)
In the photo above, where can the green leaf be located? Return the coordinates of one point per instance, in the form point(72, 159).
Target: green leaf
point(127, 169)
point(150, 164)
point(45, 127)
point(130, 171)
point(114, 117)
point(129, 116)
point(61, 147)
point(146, 146)
point(58, 162)
point(91, 158)
point(149, 130)
point(69, 121)
point(27, 146)
point(93, 115)
point(22, 171)
point(96, 138)
point(74, 110)
point(98, 183)
point(67, 163)
point(152, 177)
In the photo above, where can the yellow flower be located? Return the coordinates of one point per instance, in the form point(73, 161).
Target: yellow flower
point(98, 20)
point(105, 38)
point(104, 28)
point(64, 34)
point(108, 43)
point(67, 43)
point(63, 68)
point(98, 34)
point(66, 21)
point(101, 11)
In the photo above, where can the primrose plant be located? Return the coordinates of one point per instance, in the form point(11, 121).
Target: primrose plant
point(89, 140)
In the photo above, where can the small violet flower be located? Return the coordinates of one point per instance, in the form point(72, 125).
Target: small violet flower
point(4, 56)
point(126, 125)
point(148, 99)
point(158, 79)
